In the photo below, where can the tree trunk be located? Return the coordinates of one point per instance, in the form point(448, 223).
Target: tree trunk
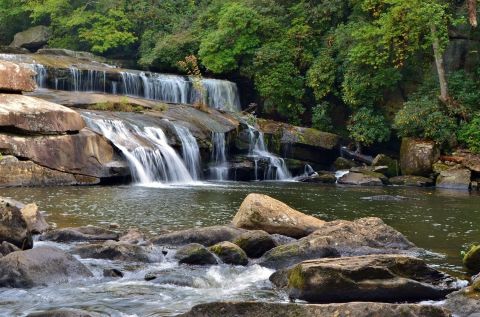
point(472, 12)
point(442, 78)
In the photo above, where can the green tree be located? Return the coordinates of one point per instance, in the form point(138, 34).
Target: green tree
point(367, 127)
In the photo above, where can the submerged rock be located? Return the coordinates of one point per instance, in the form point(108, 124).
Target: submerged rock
point(112, 250)
point(66, 312)
point(172, 278)
point(13, 227)
point(195, 254)
point(255, 243)
point(385, 198)
point(340, 238)
point(114, 273)
point(455, 178)
point(207, 236)
point(40, 266)
point(410, 180)
point(261, 212)
point(230, 253)
point(79, 234)
point(417, 156)
point(378, 278)
point(262, 309)
point(16, 78)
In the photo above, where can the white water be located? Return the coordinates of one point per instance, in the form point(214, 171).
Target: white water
point(190, 151)
point(220, 169)
point(151, 159)
point(277, 169)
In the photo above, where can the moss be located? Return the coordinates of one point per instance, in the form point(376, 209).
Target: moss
point(296, 278)
point(472, 258)
point(162, 107)
point(122, 106)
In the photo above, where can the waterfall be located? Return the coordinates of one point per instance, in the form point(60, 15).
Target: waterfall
point(220, 170)
point(190, 150)
point(277, 169)
point(41, 77)
point(150, 157)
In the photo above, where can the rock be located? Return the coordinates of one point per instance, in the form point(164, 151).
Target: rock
point(281, 239)
point(79, 234)
point(112, 250)
point(409, 180)
point(205, 236)
point(229, 253)
point(456, 178)
point(36, 223)
point(34, 115)
point(264, 309)
point(40, 266)
point(363, 179)
point(255, 243)
point(464, 303)
point(16, 78)
point(261, 212)
point(115, 273)
point(133, 236)
point(340, 238)
point(440, 167)
point(472, 162)
point(16, 173)
point(385, 198)
point(195, 254)
point(7, 248)
point(342, 163)
point(376, 278)
point(172, 278)
point(393, 169)
point(418, 156)
point(66, 312)
point(319, 178)
point(33, 38)
point(471, 259)
point(85, 153)
point(13, 227)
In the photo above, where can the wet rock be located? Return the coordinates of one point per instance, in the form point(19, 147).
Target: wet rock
point(281, 239)
point(13, 227)
point(172, 278)
point(207, 236)
point(340, 238)
point(472, 162)
point(133, 236)
point(464, 303)
point(40, 266)
point(255, 243)
point(7, 248)
point(261, 212)
point(440, 167)
point(456, 178)
point(342, 163)
point(115, 273)
point(319, 178)
point(195, 254)
point(418, 156)
point(34, 115)
point(36, 223)
point(85, 153)
point(67, 312)
point(410, 180)
point(471, 259)
point(16, 78)
point(376, 278)
point(79, 234)
point(263, 309)
point(393, 168)
point(33, 38)
point(112, 250)
point(229, 253)
point(363, 179)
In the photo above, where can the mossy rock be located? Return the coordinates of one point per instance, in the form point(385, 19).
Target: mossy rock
point(255, 243)
point(230, 253)
point(471, 259)
point(393, 168)
point(195, 254)
point(342, 163)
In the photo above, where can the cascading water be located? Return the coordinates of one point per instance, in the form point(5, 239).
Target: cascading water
point(219, 171)
point(41, 78)
point(277, 169)
point(150, 157)
point(190, 151)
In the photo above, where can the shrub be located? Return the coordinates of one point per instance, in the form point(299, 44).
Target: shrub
point(321, 119)
point(367, 127)
point(469, 134)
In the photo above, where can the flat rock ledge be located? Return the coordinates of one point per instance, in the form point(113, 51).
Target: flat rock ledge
point(258, 309)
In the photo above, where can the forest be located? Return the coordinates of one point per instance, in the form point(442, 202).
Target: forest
point(372, 70)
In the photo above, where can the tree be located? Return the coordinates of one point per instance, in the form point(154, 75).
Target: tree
point(367, 127)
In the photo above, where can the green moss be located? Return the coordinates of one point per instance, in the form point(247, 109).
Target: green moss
point(471, 258)
point(122, 106)
point(296, 278)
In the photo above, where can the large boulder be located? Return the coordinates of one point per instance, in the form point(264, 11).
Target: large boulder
point(471, 259)
point(7, 248)
point(393, 169)
point(264, 309)
point(207, 236)
point(472, 162)
point(16, 173)
point(376, 278)
point(195, 254)
point(16, 78)
point(112, 250)
point(465, 302)
point(40, 266)
point(85, 153)
point(418, 156)
point(33, 38)
point(261, 212)
point(229, 253)
point(13, 227)
point(35, 115)
point(36, 223)
point(340, 238)
point(80, 234)
point(363, 179)
point(455, 178)
point(410, 180)
point(255, 243)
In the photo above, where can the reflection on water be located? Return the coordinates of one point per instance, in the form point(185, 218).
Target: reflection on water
point(440, 221)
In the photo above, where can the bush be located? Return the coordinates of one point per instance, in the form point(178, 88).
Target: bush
point(469, 134)
point(367, 127)
point(321, 119)
point(424, 118)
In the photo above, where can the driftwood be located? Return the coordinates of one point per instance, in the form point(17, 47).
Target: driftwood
point(455, 159)
point(356, 156)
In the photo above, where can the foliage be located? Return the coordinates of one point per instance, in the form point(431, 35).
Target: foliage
point(469, 134)
point(321, 75)
point(123, 106)
point(367, 127)
point(321, 119)
point(190, 66)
